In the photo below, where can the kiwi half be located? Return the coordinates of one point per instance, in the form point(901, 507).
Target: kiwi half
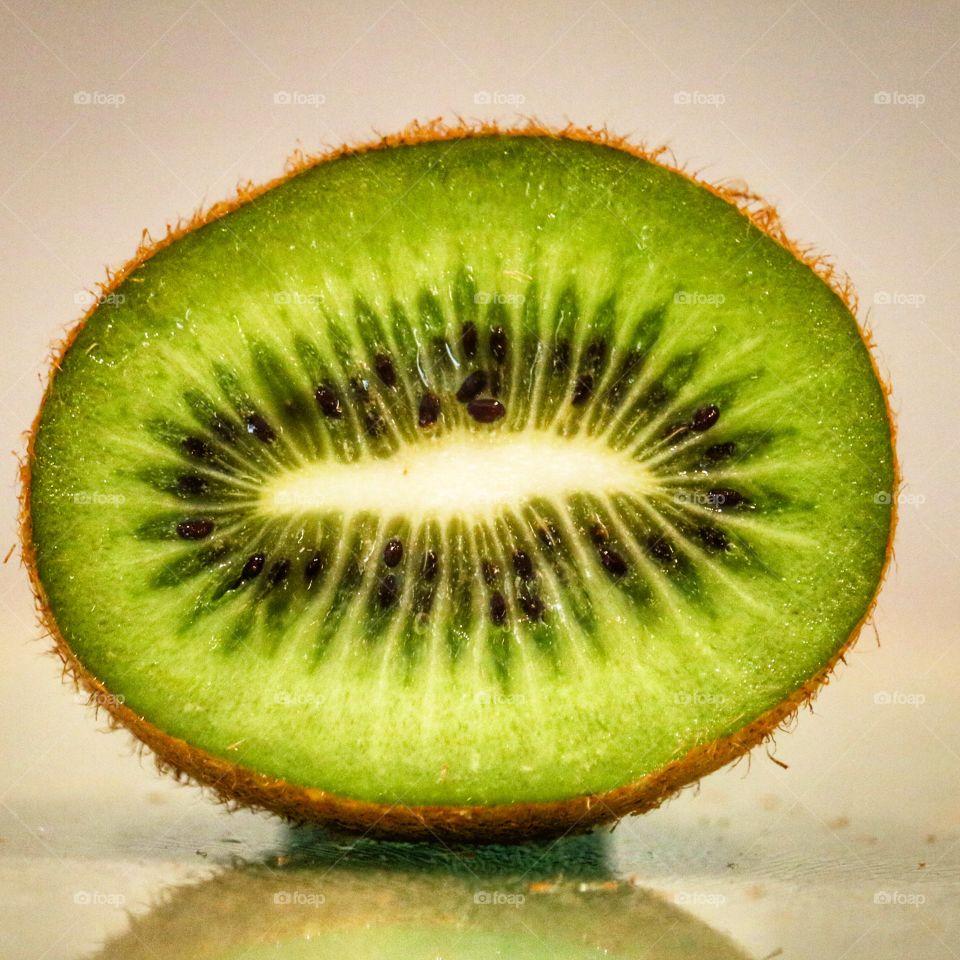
point(470, 483)
point(396, 905)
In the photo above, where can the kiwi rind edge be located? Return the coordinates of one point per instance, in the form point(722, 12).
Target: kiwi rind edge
point(239, 786)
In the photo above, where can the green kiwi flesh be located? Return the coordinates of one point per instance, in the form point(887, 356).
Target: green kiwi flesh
point(470, 473)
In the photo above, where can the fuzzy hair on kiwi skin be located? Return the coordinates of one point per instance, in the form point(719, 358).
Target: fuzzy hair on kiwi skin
point(495, 823)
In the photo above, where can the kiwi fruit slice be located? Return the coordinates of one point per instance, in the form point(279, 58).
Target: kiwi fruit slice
point(397, 904)
point(468, 484)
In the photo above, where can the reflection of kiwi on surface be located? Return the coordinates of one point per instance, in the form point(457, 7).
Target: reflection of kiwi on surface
point(359, 903)
point(468, 486)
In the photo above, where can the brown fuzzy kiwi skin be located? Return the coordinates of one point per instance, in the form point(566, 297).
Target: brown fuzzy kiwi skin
point(476, 823)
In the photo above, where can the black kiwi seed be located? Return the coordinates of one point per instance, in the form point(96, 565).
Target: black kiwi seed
point(195, 529)
point(661, 549)
point(259, 428)
point(472, 387)
point(713, 538)
point(278, 572)
point(486, 409)
point(198, 448)
point(429, 411)
point(705, 418)
point(392, 552)
point(612, 562)
point(720, 451)
point(385, 371)
point(723, 499)
point(582, 390)
point(498, 607)
point(387, 591)
point(468, 340)
point(522, 565)
point(429, 566)
point(598, 533)
point(328, 400)
point(253, 566)
point(532, 606)
point(490, 572)
point(498, 344)
point(192, 485)
point(313, 568)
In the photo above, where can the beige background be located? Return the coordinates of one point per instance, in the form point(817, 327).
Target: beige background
point(119, 116)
